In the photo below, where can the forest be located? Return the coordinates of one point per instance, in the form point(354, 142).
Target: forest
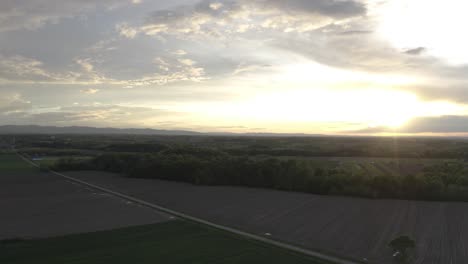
point(371, 167)
point(380, 168)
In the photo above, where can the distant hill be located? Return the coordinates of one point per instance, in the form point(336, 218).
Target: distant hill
point(33, 129)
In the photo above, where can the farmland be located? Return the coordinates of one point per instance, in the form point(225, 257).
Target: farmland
point(353, 227)
point(42, 214)
point(38, 204)
point(174, 242)
point(294, 190)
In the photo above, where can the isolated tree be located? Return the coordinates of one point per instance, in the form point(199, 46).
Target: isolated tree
point(402, 247)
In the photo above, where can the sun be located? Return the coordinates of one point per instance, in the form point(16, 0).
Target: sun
point(389, 108)
point(433, 25)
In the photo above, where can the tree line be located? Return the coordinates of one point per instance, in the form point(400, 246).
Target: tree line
point(445, 181)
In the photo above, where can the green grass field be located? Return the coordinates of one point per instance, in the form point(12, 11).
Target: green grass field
point(10, 163)
point(169, 243)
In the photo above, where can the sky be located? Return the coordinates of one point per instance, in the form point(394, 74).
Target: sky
point(360, 67)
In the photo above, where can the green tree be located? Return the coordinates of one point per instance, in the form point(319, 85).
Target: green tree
point(448, 173)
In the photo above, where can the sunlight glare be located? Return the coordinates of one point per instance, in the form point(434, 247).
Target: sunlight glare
point(438, 26)
point(369, 107)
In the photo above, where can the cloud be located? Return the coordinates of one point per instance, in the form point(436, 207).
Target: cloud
point(13, 102)
point(25, 14)
point(218, 18)
point(441, 90)
point(355, 32)
point(126, 31)
point(244, 68)
point(90, 91)
point(238, 48)
point(442, 124)
point(416, 51)
point(331, 8)
point(187, 62)
point(19, 69)
point(170, 69)
point(88, 73)
point(86, 65)
point(216, 5)
point(16, 68)
point(90, 115)
point(179, 52)
point(429, 77)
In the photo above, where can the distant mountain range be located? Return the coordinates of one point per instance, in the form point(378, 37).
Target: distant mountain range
point(34, 129)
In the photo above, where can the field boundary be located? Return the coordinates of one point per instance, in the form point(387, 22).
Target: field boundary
point(307, 252)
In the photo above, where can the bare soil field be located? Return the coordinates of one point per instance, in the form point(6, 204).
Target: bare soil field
point(34, 204)
point(352, 227)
